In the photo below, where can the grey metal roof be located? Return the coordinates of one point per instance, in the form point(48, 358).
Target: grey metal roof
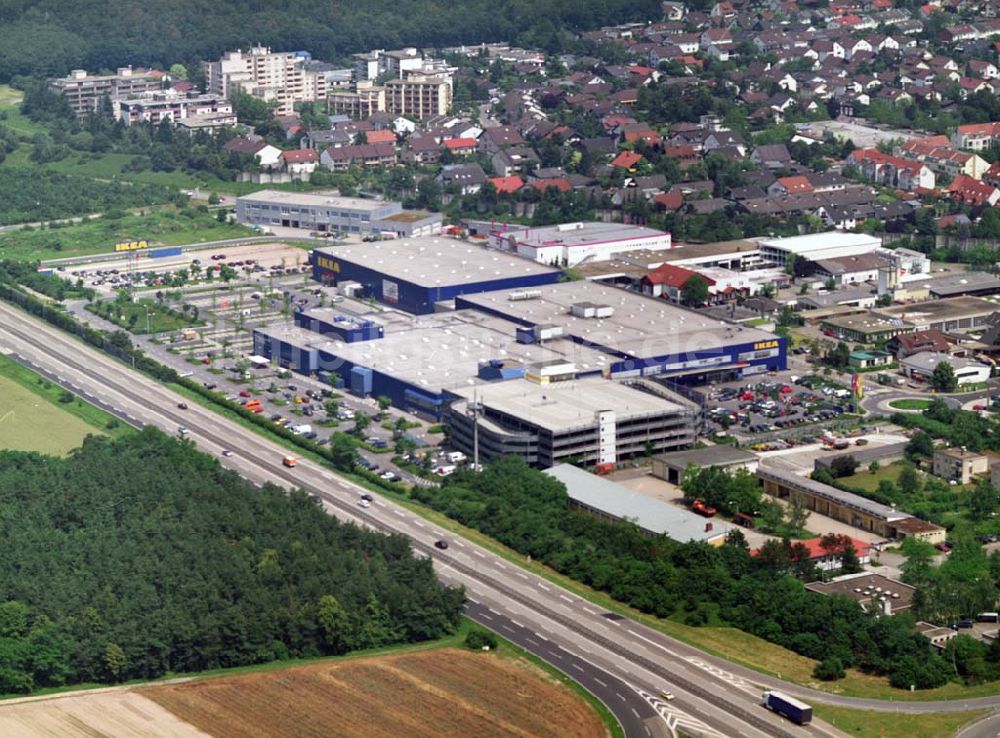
point(839, 496)
point(618, 501)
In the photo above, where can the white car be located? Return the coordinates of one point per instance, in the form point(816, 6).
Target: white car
point(389, 476)
point(226, 452)
point(364, 503)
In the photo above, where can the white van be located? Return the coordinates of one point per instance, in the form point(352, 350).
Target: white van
point(455, 457)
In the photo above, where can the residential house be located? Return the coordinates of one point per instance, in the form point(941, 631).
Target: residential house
point(771, 156)
point(466, 179)
point(959, 465)
point(364, 155)
point(267, 156)
point(969, 191)
point(300, 162)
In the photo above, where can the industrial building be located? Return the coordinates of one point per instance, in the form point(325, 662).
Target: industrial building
point(953, 314)
point(416, 360)
point(921, 367)
point(817, 246)
point(590, 421)
point(648, 337)
point(612, 501)
point(671, 467)
point(417, 274)
point(838, 504)
point(569, 244)
point(322, 212)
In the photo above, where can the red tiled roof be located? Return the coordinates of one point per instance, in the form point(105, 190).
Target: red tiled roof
point(672, 201)
point(795, 184)
point(377, 137)
point(560, 183)
point(510, 185)
point(671, 276)
point(300, 156)
point(626, 160)
point(454, 144)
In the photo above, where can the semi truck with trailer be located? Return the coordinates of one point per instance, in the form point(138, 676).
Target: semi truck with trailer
point(789, 707)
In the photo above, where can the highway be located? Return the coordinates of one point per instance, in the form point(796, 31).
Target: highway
point(623, 663)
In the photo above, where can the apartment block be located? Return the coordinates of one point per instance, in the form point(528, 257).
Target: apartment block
point(279, 77)
point(419, 96)
point(85, 92)
point(155, 107)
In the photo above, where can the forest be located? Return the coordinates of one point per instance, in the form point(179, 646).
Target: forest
point(47, 38)
point(137, 558)
point(698, 584)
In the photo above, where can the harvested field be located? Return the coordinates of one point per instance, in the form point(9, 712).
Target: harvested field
point(445, 692)
point(116, 713)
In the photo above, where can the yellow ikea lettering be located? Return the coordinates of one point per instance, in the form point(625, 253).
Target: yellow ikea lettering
point(765, 345)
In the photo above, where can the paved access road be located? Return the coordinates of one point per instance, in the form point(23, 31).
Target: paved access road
point(636, 663)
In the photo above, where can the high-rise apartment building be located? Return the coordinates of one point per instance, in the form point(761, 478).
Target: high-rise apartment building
point(280, 77)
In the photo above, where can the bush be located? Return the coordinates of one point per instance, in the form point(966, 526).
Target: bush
point(829, 670)
point(479, 639)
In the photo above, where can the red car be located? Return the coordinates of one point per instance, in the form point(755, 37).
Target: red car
point(245, 393)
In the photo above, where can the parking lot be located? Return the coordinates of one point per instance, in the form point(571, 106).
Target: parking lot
point(747, 410)
point(268, 260)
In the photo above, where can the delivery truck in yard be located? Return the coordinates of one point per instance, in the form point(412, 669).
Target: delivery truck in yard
point(789, 707)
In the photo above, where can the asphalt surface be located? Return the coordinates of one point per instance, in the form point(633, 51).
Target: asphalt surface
point(714, 697)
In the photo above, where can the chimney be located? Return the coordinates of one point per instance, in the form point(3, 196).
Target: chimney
point(708, 527)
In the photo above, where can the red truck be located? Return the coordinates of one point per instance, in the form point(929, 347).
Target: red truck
point(701, 508)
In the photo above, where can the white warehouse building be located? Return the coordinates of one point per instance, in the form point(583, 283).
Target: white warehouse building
point(569, 244)
point(817, 246)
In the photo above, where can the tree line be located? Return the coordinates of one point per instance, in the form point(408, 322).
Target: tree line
point(141, 557)
point(47, 38)
point(694, 582)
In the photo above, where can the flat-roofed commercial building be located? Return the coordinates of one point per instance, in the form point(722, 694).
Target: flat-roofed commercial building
point(417, 274)
point(967, 371)
point(416, 360)
point(949, 315)
point(84, 92)
point(592, 421)
point(874, 592)
point(671, 467)
point(612, 501)
point(830, 245)
point(315, 211)
point(650, 337)
point(569, 244)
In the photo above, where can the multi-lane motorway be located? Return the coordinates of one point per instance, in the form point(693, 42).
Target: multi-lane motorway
point(623, 663)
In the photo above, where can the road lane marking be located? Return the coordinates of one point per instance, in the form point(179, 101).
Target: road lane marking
point(634, 711)
point(577, 667)
point(547, 589)
point(479, 553)
point(600, 682)
point(564, 597)
point(516, 623)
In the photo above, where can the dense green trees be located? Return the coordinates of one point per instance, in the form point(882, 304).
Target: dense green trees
point(46, 38)
point(136, 558)
point(33, 194)
point(528, 511)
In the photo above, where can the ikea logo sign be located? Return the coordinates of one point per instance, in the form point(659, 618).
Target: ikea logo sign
point(765, 345)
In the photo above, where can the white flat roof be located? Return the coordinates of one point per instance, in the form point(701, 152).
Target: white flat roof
point(315, 199)
point(435, 260)
point(582, 234)
point(822, 242)
point(443, 351)
point(564, 406)
point(641, 326)
point(650, 514)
